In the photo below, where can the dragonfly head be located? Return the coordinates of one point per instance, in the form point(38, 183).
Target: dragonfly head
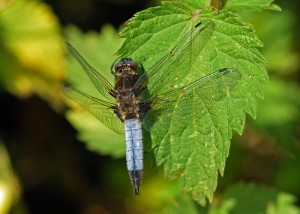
point(125, 66)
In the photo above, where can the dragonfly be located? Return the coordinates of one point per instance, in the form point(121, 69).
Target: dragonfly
point(135, 98)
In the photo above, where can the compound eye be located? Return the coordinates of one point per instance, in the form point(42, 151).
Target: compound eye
point(131, 64)
point(125, 64)
point(119, 65)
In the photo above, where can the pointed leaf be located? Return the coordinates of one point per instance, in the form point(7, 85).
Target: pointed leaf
point(254, 5)
point(98, 49)
point(199, 147)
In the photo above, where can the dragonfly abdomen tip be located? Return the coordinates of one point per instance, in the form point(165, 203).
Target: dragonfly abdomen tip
point(136, 179)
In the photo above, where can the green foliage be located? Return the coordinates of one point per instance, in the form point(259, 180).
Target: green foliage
point(9, 186)
point(276, 32)
point(252, 5)
point(181, 204)
point(241, 195)
point(191, 147)
point(285, 113)
point(236, 199)
point(278, 114)
point(250, 198)
point(31, 50)
point(97, 137)
point(232, 44)
point(287, 174)
point(284, 204)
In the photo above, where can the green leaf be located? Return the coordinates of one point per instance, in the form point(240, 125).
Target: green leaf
point(283, 204)
point(280, 121)
point(97, 137)
point(276, 30)
point(287, 112)
point(172, 201)
point(197, 3)
point(239, 198)
point(9, 185)
point(253, 5)
point(98, 49)
point(288, 173)
point(242, 197)
point(196, 159)
point(31, 50)
point(181, 204)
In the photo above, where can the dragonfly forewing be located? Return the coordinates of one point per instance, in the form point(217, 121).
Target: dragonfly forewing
point(101, 84)
point(180, 58)
point(102, 110)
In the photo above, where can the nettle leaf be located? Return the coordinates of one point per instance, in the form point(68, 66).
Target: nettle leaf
point(250, 5)
point(198, 3)
point(98, 49)
point(253, 5)
point(198, 150)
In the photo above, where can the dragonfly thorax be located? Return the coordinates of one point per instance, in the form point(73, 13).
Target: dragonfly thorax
point(126, 96)
point(128, 105)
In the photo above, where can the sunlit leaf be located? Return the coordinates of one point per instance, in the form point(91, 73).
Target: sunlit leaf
point(254, 5)
point(31, 50)
point(283, 204)
point(197, 160)
point(250, 5)
point(267, 200)
point(98, 50)
point(97, 137)
point(9, 186)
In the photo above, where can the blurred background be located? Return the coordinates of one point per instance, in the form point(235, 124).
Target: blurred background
point(44, 166)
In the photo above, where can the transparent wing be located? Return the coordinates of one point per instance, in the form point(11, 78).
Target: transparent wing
point(194, 98)
point(102, 110)
point(181, 57)
point(102, 85)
